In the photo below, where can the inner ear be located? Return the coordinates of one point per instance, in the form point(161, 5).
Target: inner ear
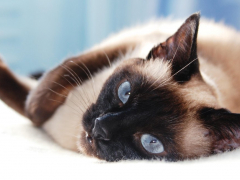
point(224, 128)
point(181, 50)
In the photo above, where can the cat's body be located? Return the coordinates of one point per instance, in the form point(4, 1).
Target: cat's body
point(67, 101)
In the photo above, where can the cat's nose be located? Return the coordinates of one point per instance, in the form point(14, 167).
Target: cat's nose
point(98, 131)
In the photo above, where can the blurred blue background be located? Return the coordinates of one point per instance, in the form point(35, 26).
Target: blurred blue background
point(38, 34)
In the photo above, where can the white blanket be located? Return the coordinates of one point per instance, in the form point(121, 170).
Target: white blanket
point(26, 152)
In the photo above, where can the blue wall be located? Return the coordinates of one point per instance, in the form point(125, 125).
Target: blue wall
point(38, 34)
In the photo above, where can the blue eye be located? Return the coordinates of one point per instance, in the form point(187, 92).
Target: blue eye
point(124, 91)
point(151, 144)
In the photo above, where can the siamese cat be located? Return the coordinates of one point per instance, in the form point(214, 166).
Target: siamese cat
point(157, 91)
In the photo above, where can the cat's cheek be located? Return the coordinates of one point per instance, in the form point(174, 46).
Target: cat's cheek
point(194, 141)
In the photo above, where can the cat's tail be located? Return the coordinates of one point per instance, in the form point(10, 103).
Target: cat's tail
point(13, 91)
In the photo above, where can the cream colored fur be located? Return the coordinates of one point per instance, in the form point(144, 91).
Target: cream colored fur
point(218, 48)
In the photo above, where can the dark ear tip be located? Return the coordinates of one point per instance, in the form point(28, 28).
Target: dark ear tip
point(194, 17)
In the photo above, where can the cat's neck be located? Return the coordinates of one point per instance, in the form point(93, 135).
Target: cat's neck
point(219, 60)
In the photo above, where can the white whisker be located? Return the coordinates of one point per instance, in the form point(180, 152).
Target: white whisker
point(176, 51)
point(87, 76)
point(77, 82)
point(175, 74)
point(109, 62)
point(62, 95)
point(91, 78)
point(66, 89)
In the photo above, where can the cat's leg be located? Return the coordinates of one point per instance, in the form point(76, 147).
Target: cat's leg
point(12, 91)
point(55, 86)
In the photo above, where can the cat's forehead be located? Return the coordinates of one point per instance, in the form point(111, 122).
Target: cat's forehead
point(157, 74)
point(155, 71)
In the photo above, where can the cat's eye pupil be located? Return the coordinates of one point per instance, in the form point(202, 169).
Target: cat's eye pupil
point(128, 93)
point(153, 141)
point(124, 91)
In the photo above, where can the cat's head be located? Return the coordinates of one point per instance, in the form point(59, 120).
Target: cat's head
point(160, 107)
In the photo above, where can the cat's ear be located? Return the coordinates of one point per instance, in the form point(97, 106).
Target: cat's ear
point(224, 128)
point(181, 50)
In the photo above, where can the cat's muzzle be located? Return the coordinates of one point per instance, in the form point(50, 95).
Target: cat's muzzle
point(98, 131)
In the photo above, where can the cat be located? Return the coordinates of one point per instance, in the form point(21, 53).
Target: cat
point(158, 91)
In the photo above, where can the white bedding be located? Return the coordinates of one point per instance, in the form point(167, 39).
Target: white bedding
point(26, 152)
